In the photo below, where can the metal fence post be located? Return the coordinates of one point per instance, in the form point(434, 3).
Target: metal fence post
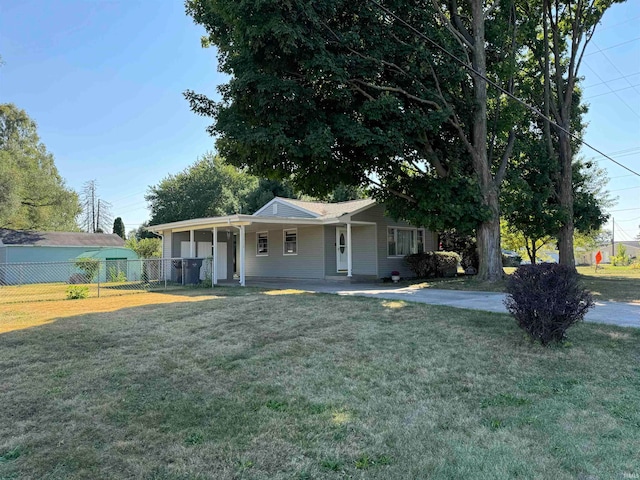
point(99, 267)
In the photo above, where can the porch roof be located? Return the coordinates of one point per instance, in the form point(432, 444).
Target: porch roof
point(251, 222)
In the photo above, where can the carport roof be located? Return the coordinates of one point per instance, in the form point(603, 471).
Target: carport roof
point(325, 214)
point(235, 221)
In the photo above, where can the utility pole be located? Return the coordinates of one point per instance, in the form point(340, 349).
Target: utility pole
point(613, 237)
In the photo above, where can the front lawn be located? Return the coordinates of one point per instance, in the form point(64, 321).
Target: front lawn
point(305, 386)
point(618, 284)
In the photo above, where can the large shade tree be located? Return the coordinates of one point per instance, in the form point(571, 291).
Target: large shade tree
point(207, 188)
point(33, 195)
point(340, 92)
point(563, 31)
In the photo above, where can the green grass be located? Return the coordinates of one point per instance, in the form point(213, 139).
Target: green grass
point(618, 284)
point(315, 386)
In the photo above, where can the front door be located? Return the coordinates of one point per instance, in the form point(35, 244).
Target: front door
point(341, 249)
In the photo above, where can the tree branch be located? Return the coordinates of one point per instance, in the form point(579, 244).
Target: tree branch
point(396, 90)
point(491, 9)
point(394, 192)
point(505, 158)
point(459, 32)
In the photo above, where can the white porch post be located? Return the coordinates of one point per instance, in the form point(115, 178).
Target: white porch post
point(192, 244)
point(349, 256)
point(214, 269)
point(242, 254)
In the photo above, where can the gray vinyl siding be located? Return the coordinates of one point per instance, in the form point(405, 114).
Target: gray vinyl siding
point(330, 266)
point(363, 244)
point(388, 264)
point(308, 263)
point(203, 236)
point(363, 256)
point(284, 210)
point(166, 253)
point(166, 245)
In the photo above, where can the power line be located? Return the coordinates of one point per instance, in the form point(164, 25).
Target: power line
point(630, 219)
point(624, 210)
point(612, 80)
point(613, 64)
point(625, 233)
point(621, 189)
point(612, 46)
point(495, 85)
point(621, 153)
point(619, 23)
point(613, 91)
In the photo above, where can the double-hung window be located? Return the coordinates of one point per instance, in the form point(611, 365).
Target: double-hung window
point(290, 242)
point(262, 240)
point(404, 241)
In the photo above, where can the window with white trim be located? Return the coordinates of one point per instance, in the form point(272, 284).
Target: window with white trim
point(262, 244)
point(290, 242)
point(404, 241)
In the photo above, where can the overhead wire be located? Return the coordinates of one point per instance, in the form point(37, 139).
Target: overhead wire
point(494, 84)
point(614, 65)
point(612, 80)
point(613, 91)
point(613, 46)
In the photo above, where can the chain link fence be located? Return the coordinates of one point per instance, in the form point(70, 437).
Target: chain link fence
point(88, 277)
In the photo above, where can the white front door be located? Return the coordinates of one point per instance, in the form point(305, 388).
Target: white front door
point(341, 249)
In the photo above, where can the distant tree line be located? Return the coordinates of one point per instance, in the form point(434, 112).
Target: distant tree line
point(212, 187)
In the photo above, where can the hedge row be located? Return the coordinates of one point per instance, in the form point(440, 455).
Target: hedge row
point(433, 264)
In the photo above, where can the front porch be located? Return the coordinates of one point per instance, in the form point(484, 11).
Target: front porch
point(261, 248)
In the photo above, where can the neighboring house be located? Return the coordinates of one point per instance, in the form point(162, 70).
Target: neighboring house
point(18, 247)
point(588, 257)
point(289, 238)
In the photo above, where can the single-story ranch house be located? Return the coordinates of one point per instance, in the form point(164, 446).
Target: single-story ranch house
point(289, 238)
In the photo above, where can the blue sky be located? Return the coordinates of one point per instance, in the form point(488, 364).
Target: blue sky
point(104, 80)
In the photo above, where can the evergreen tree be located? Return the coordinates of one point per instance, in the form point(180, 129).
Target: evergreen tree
point(118, 228)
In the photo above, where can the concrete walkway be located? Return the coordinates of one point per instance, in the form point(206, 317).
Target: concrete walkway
point(612, 313)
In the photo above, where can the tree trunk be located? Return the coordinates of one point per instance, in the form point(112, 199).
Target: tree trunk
point(488, 233)
point(565, 235)
point(488, 239)
point(532, 250)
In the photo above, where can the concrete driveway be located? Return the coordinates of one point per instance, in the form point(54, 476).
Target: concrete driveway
point(612, 313)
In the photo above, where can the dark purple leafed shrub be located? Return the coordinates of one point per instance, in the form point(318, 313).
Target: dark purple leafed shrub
point(433, 264)
point(423, 265)
point(546, 299)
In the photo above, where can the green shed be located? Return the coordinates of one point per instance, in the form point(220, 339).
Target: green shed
point(118, 264)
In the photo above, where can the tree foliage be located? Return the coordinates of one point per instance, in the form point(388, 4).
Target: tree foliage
point(337, 92)
point(33, 195)
point(265, 191)
point(563, 29)
point(118, 228)
point(145, 247)
point(532, 213)
point(207, 188)
point(142, 232)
